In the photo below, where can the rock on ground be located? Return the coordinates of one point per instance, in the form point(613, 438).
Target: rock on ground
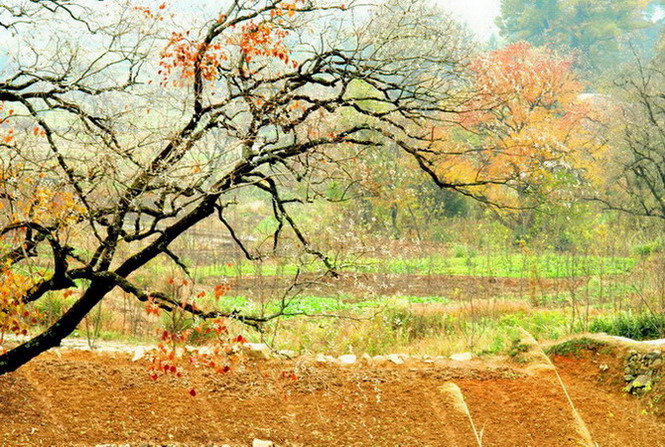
point(262, 443)
point(348, 359)
point(395, 358)
point(259, 351)
point(463, 357)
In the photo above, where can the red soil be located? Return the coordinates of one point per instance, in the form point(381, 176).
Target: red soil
point(88, 399)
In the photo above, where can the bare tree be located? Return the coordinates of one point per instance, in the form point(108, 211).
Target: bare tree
point(638, 166)
point(135, 124)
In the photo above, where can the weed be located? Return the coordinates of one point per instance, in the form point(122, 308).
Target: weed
point(518, 347)
point(649, 248)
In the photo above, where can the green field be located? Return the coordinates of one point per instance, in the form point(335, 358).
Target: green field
point(505, 265)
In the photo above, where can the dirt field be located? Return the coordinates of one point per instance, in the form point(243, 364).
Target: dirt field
point(375, 284)
point(87, 399)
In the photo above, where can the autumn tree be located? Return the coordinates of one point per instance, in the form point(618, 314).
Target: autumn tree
point(125, 126)
point(528, 135)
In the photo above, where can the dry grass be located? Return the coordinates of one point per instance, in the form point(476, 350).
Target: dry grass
point(493, 308)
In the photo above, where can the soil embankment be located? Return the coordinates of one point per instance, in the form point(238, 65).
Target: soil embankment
point(87, 399)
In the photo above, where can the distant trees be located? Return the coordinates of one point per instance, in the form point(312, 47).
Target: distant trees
point(626, 170)
point(634, 176)
point(600, 30)
point(531, 21)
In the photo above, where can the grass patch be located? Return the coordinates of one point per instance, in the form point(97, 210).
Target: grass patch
point(507, 265)
point(518, 347)
point(577, 346)
point(316, 305)
point(502, 265)
point(400, 327)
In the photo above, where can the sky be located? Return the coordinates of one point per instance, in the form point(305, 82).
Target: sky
point(478, 14)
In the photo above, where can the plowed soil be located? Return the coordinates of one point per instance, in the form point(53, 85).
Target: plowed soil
point(87, 399)
point(378, 284)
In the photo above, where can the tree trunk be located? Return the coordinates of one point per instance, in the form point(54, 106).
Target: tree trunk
point(19, 356)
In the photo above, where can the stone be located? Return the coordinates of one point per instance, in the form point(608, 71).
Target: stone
point(379, 359)
point(322, 358)
point(641, 382)
point(463, 357)
point(395, 358)
point(108, 349)
point(604, 367)
point(262, 443)
point(653, 355)
point(258, 351)
point(348, 359)
point(366, 358)
point(139, 353)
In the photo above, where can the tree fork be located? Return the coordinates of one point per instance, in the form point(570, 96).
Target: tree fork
point(100, 287)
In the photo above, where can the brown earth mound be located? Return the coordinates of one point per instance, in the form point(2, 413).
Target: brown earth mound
point(88, 399)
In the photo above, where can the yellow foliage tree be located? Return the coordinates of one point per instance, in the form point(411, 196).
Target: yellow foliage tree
point(527, 133)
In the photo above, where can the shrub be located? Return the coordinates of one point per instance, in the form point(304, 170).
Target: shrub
point(636, 326)
point(649, 248)
point(52, 307)
point(464, 251)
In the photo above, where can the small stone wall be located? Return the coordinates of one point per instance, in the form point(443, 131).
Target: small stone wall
point(642, 370)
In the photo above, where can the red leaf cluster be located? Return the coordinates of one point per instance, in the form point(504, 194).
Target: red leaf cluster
point(186, 56)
